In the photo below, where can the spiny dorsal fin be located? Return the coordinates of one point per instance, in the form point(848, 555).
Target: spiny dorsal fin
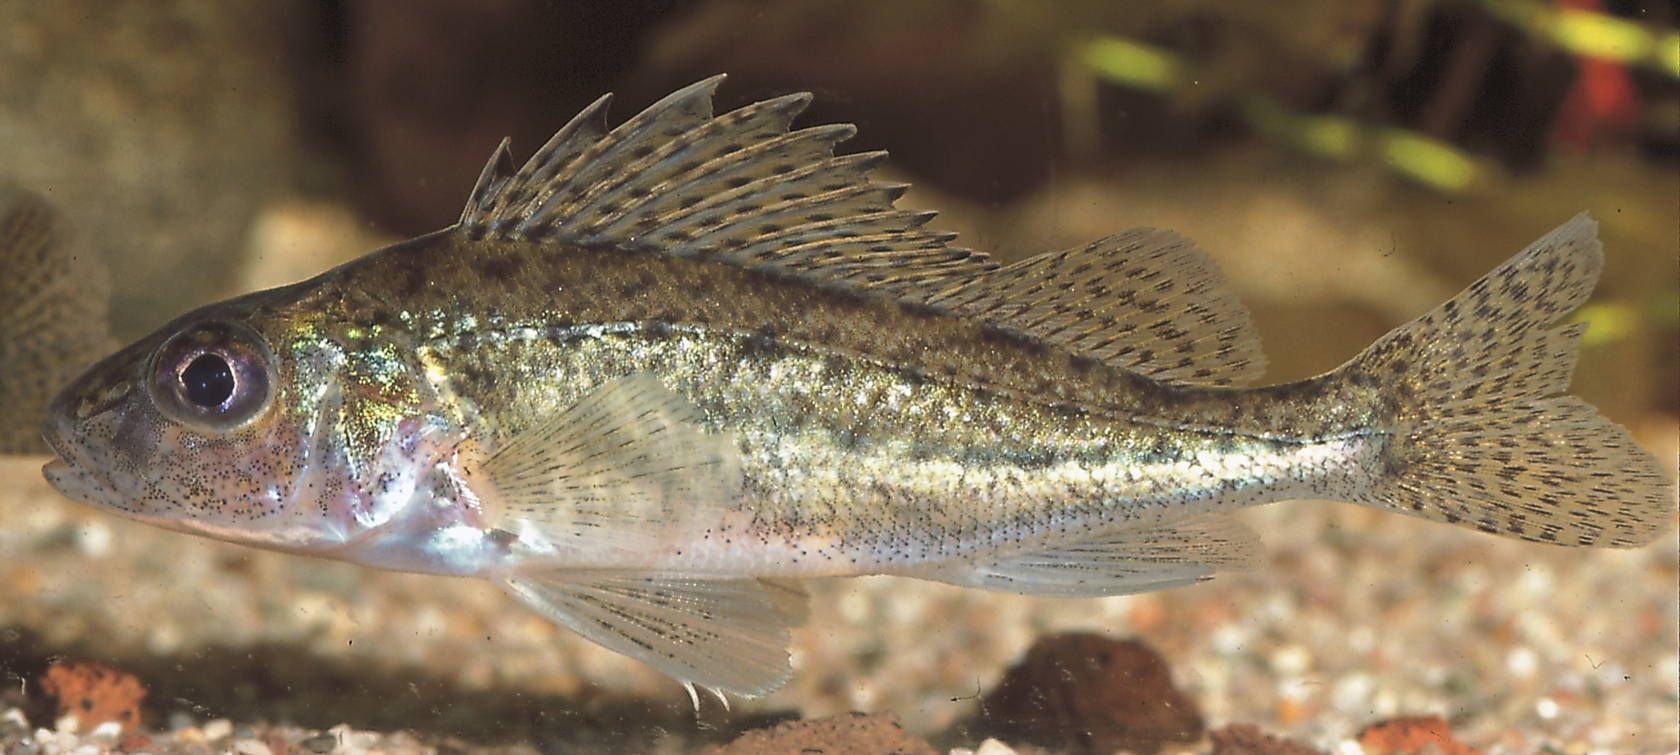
point(1144, 300)
point(743, 190)
point(739, 188)
point(53, 298)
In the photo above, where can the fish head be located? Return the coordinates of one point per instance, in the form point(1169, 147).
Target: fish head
point(256, 421)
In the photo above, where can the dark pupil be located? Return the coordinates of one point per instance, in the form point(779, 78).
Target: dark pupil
point(208, 381)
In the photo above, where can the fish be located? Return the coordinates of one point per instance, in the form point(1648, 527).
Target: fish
point(660, 374)
point(53, 302)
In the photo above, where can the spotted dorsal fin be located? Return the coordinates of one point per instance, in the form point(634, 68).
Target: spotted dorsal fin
point(739, 188)
point(742, 189)
point(1146, 301)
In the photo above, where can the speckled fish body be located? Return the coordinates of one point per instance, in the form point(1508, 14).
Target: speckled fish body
point(663, 371)
point(53, 298)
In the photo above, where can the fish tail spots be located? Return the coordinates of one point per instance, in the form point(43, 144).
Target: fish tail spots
point(1483, 433)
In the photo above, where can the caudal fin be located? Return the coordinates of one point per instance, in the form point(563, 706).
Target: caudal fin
point(1485, 435)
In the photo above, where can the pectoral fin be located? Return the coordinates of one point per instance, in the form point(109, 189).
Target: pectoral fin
point(728, 635)
point(627, 460)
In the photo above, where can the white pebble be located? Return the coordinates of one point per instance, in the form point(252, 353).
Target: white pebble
point(1547, 708)
point(55, 743)
point(1291, 660)
point(250, 747)
point(93, 539)
point(217, 729)
point(994, 747)
point(109, 730)
point(352, 742)
point(1522, 662)
point(1229, 639)
point(1352, 694)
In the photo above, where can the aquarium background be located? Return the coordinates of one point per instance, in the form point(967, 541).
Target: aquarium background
point(1349, 164)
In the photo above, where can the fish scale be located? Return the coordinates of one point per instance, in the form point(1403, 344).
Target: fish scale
point(53, 299)
point(662, 372)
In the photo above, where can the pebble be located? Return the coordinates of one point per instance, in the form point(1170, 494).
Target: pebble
point(250, 747)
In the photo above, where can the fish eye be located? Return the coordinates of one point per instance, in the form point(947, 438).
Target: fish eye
point(208, 381)
point(213, 376)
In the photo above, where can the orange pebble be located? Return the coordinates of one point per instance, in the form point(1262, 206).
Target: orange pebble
point(1290, 712)
point(1409, 736)
point(95, 693)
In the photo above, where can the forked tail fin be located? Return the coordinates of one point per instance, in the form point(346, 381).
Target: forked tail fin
point(1484, 434)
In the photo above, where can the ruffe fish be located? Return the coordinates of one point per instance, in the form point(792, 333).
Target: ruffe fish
point(658, 375)
point(53, 298)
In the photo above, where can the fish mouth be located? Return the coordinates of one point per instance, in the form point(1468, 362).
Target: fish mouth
point(68, 474)
point(74, 482)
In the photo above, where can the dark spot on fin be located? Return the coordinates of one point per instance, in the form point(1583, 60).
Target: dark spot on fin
point(743, 190)
point(1484, 434)
point(1145, 300)
point(738, 188)
point(53, 300)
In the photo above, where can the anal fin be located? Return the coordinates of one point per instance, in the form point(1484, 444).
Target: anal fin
point(725, 634)
point(1157, 557)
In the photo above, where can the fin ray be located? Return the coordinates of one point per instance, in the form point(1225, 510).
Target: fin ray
point(741, 189)
point(729, 635)
point(1144, 300)
point(1484, 435)
point(631, 454)
point(1143, 559)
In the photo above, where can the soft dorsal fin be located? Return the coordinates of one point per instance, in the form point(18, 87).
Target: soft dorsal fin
point(1144, 300)
point(741, 189)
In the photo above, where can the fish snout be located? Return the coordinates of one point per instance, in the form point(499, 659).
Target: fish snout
point(80, 427)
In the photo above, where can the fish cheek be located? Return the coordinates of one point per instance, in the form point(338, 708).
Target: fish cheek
point(135, 442)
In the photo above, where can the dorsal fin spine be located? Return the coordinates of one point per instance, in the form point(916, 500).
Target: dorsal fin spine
point(686, 107)
point(559, 152)
point(684, 157)
point(741, 189)
point(720, 169)
point(490, 180)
